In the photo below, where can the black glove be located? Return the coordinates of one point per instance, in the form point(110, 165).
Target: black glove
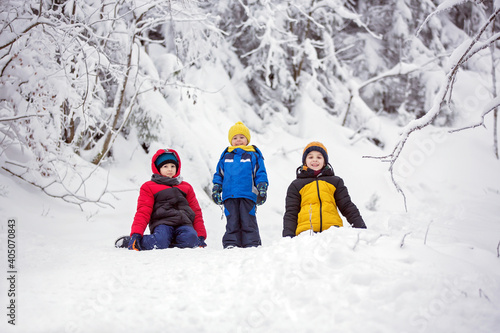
point(261, 197)
point(134, 242)
point(201, 242)
point(217, 194)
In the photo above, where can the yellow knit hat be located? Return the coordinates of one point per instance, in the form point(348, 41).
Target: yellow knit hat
point(317, 146)
point(239, 128)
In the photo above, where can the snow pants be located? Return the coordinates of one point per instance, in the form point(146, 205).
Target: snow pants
point(241, 228)
point(165, 236)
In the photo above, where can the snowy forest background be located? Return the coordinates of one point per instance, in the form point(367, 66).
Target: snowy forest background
point(75, 75)
point(403, 93)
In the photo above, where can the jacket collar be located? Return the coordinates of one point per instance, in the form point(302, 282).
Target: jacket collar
point(245, 148)
point(305, 172)
point(159, 179)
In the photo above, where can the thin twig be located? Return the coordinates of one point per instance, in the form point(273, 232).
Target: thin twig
point(494, 104)
point(403, 240)
point(427, 231)
point(25, 31)
point(25, 116)
point(481, 294)
point(68, 197)
point(357, 241)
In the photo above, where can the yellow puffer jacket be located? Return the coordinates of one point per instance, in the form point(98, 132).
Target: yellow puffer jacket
point(313, 202)
point(317, 207)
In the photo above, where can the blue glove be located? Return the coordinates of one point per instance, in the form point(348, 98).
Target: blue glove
point(262, 196)
point(201, 241)
point(217, 194)
point(134, 242)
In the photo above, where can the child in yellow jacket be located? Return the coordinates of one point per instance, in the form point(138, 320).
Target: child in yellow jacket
point(314, 198)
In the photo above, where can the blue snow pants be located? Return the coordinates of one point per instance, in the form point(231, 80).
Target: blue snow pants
point(165, 236)
point(241, 228)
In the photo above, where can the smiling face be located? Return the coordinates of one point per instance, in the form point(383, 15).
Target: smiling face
point(315, 160)
point(168, 170)
point(239, 140)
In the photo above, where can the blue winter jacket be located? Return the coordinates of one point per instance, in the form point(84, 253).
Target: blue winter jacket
point(239, 171)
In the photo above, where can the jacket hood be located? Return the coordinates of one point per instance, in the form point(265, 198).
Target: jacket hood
point(158, 153)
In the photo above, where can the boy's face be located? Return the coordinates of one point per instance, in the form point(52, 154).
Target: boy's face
point(315, 160)
point(168, 170)
point(239, 140)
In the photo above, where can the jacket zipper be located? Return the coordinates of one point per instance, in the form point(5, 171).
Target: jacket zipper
point(320, 209)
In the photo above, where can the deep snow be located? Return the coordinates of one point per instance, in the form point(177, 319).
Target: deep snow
point(434, 268)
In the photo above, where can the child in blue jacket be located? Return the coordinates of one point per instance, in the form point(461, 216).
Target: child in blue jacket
point(240, 183)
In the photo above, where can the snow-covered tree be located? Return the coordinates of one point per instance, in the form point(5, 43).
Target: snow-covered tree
point(73, 73)
point(287, 48)
point(469, 48)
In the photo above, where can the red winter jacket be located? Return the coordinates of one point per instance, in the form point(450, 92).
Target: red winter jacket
point(165, 204)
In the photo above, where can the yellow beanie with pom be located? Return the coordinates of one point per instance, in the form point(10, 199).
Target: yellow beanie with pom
point(239, 128)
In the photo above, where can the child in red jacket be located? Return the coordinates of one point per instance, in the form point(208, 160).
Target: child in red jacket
point(169, 206)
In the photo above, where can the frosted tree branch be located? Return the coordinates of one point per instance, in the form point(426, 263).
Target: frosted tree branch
point(398, 70)
point(495, 103)
point(446, 5)
point(440, 98)
point(68, 196)
point(24, 116)
point(24, 32)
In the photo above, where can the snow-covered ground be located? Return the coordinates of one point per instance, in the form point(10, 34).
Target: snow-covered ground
point(434, 268)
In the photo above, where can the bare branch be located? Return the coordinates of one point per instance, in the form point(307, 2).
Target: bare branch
point(481, 46)
point(67, 197)
point(357, 242)
point(25, 116)
point(494, 104)
point(427, 232)
point(441, 8)
point(24, 32)
point(494, 83)
point(400, 69)
point(481, 294)
point(403, 240)
point(398, 188)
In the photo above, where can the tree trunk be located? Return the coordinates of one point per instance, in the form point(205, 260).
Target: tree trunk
point(119, 107)
point(494, 79)
point(495, 132)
